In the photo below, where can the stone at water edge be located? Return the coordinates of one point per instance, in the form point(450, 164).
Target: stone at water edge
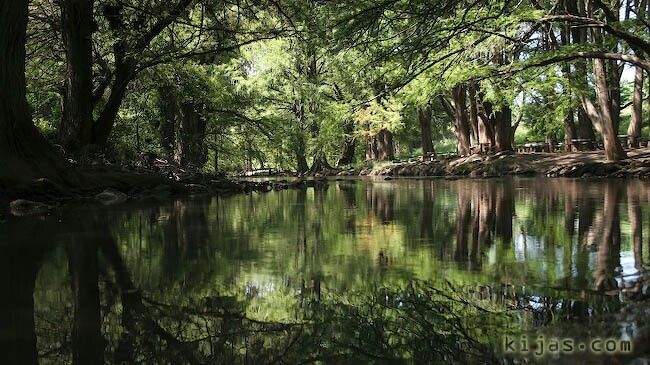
point(111, 197)
point(21, 208)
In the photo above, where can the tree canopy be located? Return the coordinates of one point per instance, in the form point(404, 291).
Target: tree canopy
point(307, 85)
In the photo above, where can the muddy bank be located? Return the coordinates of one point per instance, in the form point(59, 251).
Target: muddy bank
point(107, 185)
point(578, 165)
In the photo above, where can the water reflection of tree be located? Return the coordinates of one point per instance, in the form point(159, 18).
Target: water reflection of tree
point(464, 221)
point(390, 325)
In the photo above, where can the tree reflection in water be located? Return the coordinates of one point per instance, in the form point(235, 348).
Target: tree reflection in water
point(306, 276)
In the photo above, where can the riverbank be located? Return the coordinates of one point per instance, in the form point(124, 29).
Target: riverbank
point(109, 185)
point(588, 164)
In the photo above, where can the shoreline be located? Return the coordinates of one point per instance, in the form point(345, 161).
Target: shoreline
point(111, 185)
point(590, 164)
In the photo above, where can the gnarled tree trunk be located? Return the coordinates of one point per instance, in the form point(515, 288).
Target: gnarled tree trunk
point(24, 154)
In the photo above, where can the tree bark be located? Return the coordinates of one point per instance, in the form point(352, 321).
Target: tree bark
point(301, 154)
point(381, 147)
point(189, 148)
point(485, 123)
point(608, 125)
point(461, 120)
point(503, 131)
point(25, 155)
point(424, 117)
point(77, 26)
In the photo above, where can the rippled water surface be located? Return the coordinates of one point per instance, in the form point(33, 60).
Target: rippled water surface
point(563, 258)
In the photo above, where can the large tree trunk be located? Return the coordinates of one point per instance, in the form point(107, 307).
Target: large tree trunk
point(424, 117)
point(189, 148)
point(503, 131)
point(24, 154)
point(608, 119)
point(77, 27)
point(300, 150)
point(461, 120)
point(634, 129)
point(380, 146)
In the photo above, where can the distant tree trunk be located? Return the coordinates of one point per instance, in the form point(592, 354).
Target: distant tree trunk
point(301, 154)
point(190, 149)
point(167, 104)
point(380, 146)
point(424, 117)
point(349, 145)
point(461, 120)
point(569, 129)
point(482, 110)
point(104, 124)
point(122, 76)
point(77, 26)
point(473, 115)
point(585, 128)
point(320, 163)
point(634, 129)
point(24, 154)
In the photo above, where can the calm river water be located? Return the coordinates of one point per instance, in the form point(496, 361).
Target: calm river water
point(337, 274)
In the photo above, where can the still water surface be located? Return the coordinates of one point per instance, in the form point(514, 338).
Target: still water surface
point(563, 258)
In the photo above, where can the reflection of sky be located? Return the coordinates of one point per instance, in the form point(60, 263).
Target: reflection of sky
point(629, 272)
point(528, 247)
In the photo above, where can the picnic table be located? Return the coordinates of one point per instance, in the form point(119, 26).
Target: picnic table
point(578, 144)
point(534, 147)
